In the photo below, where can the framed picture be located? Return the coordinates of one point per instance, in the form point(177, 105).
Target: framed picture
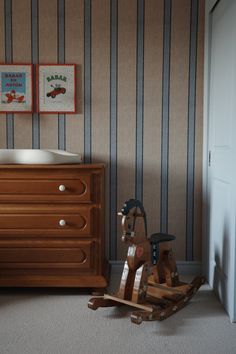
point(56, 88)
point(16, 88)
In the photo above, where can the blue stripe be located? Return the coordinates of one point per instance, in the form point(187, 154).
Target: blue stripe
point(8, 59)
point(191, 130)
point(10, 130)
point(165, 116)
point(61, 60)
point(113, 128)
point(87, 81)
point(35, 56)
point(139, 101)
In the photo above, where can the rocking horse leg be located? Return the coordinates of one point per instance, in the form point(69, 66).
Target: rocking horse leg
point(140, 284)
point(126, 283)
point(171, 272)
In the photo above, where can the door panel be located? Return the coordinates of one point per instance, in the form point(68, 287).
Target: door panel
point(222, 170)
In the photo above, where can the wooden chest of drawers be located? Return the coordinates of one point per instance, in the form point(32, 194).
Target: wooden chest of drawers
point(52, 226)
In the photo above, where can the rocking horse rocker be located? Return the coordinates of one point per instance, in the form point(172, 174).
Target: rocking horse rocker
point(150, 280)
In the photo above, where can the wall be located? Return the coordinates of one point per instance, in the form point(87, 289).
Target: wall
point(140, 89)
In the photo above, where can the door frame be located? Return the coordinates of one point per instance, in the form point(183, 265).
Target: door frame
point(209, 7)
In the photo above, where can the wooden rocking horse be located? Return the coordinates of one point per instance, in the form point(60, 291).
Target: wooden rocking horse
point(150, 280)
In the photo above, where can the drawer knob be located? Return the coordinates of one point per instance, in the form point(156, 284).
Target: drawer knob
point(62, 222)
point(62, 188)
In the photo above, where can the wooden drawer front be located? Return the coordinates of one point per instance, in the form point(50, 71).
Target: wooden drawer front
point(77, 224)
point(66, 190)
point(79, 256)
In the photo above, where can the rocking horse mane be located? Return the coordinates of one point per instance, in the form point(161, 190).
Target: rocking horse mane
point(132, 203)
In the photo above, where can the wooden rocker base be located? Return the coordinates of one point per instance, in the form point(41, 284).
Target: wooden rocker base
point(170, 308)
point(161, 301)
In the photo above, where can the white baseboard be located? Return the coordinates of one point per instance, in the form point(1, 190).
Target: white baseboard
point(184, 268)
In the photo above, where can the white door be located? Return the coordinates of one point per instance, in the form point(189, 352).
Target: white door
point(222, 148)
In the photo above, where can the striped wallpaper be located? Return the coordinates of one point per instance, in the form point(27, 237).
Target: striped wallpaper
point(140, 99)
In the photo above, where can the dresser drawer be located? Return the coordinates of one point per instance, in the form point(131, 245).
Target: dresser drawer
point(65, 223)
point(80, 256)
point(60, 190)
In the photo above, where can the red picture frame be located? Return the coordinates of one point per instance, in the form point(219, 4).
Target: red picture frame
point(56, 88)
point(16, 88)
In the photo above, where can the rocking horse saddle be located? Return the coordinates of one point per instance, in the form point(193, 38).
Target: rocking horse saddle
point(160, 237)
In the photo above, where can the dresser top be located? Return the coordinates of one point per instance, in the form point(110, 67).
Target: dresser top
point(49, 166)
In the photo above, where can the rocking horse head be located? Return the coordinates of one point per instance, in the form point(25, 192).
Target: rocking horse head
point(134, 225)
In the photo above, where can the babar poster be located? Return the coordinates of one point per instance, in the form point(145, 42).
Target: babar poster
point(56, 88)
point(13, 87)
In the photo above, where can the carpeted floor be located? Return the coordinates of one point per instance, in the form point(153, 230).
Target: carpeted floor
point(50, 321)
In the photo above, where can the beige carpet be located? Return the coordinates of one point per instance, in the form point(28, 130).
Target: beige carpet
point(59, 322)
